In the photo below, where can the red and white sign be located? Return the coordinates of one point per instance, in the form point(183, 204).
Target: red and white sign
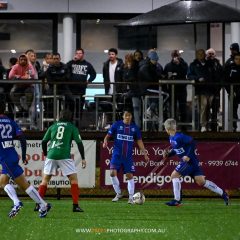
point(220, 162)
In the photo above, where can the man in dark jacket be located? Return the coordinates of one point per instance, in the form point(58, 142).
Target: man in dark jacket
point(149, 75)
point(112, 72)
point(232, 75)
point(58, 72)
point(80, 71)
point(177, 70)
point(216, 73)
point(234, 48)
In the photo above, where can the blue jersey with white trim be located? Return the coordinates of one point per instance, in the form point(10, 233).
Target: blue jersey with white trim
point(124, 136)
point(183, 145)
point(8, 132)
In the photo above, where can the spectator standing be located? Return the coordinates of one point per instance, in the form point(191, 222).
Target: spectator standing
point(148, 77)
point(234, 49)
point(176, 69)
point(112, 72)
point(57, 73)
point(216, 70)
point(232, 75)
point(80, 71)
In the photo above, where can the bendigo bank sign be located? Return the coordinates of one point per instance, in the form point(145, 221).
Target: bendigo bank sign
point(220, 162)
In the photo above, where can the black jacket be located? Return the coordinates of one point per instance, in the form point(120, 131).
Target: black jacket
point(80, 71)
point(118, 76)
point(148, 75)
point(232, 75)
point(209, 72)
point(130, 75)
point(58, 74)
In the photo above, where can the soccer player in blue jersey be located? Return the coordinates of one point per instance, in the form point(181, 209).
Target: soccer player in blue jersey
point(9, 160)
point(124, 133)
point(184, 147)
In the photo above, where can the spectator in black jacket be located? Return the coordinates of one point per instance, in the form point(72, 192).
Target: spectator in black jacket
point(216, 70)
point(177, 70)
point(149, 75)
point(80, 71)
point(232, 75)
point(150, 72)
point(234, 48)
point(56, 73)
point(204, 70)
point(112, 72)
point(130, 71)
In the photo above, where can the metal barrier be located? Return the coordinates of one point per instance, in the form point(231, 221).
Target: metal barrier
point(226, 103)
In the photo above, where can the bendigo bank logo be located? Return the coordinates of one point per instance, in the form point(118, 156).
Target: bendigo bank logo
point(159, 180)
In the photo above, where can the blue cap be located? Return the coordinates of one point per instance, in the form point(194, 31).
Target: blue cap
point(153, 56)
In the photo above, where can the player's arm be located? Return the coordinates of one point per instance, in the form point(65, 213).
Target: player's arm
point(142, 148)
point(110, 133)
point(23, 143)
point(45, 140)
point(44, 147)
point(168, 153)
point(82, 153)
point(106, 139)
point(77, 138)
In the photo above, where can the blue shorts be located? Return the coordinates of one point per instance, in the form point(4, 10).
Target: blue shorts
point(186, 169)
point(118, 162)
point(10, 165)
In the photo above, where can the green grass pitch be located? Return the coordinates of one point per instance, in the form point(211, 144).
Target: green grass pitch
point(207, 219)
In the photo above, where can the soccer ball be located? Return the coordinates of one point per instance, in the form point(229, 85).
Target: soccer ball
point(138, 198)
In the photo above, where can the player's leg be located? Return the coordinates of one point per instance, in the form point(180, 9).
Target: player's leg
point(201, 181)
point(131, 187)
point(115, 166)
point(42, 189)
point(10, 168)
point(182, 169)
point(116, 185)
point(69, 169)
point(11, 192)
point(22, 182)
point(129, 169)
point(175, 176)
point(9, 189)
point(50, 167)
point(75, 192)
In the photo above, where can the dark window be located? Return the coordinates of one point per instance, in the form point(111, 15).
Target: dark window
point(137, 38)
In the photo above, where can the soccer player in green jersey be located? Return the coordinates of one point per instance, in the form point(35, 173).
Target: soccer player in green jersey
point(60, 135)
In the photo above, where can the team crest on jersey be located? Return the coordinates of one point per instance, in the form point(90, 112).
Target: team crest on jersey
point(133, 129)
point(121, 128)
point(179, 150)
point(125, 137)
point(173, 142)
